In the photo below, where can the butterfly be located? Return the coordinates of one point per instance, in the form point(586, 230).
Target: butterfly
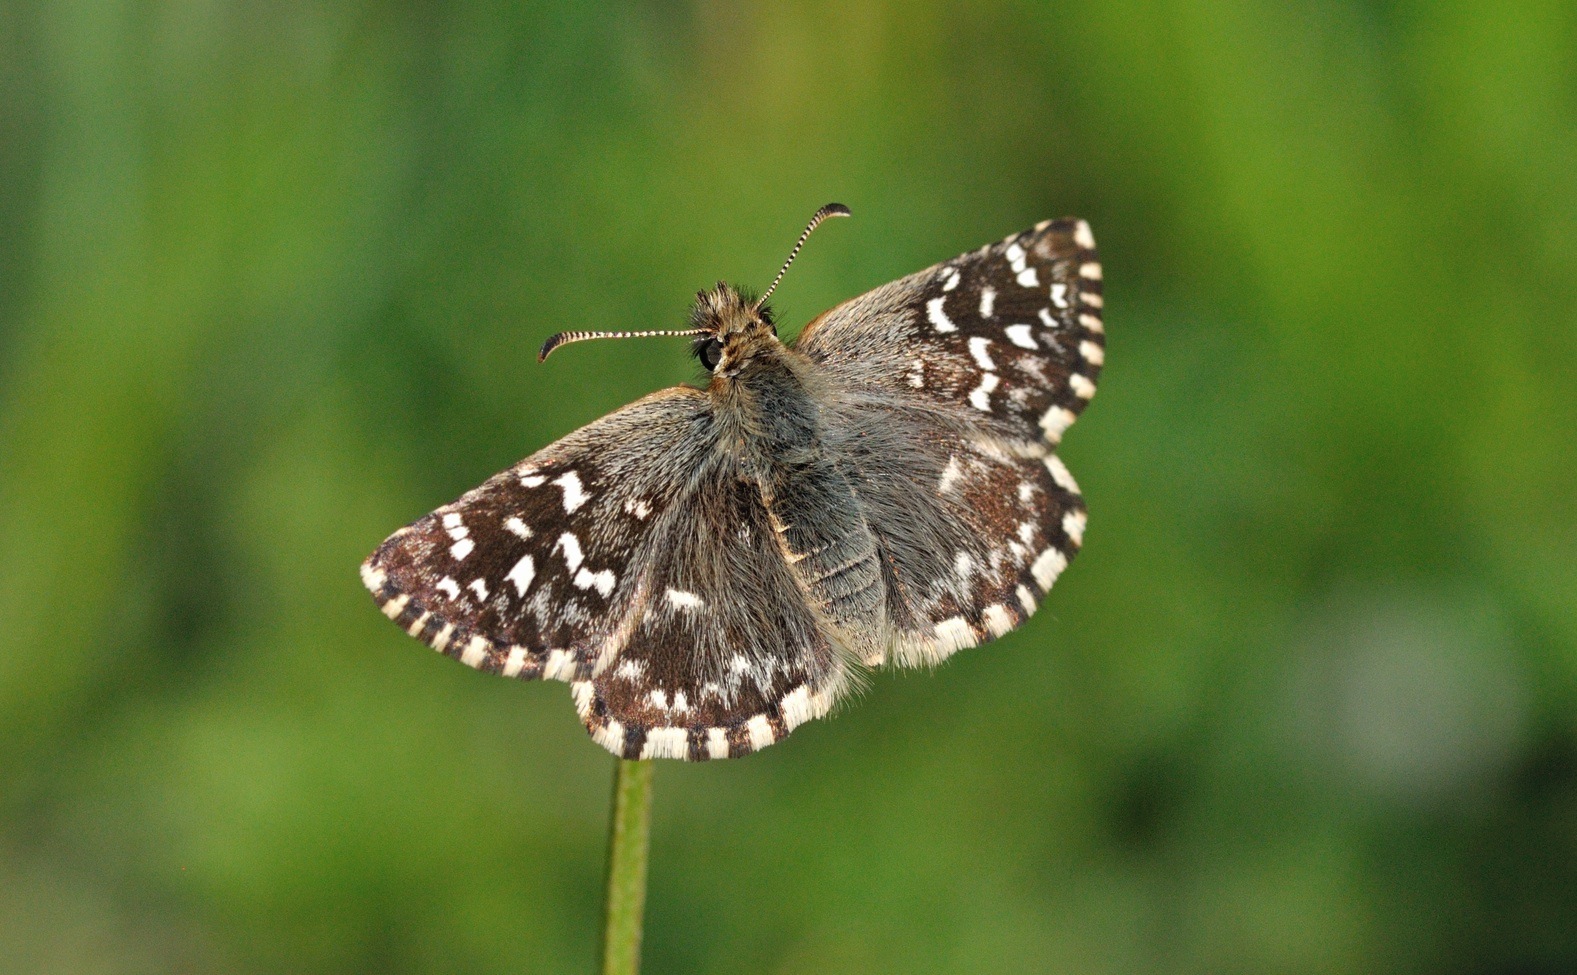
point(709, 568)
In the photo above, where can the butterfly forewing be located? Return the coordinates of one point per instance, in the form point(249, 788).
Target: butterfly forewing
point(1010, 333)
point(531, 573)
point(631, 560)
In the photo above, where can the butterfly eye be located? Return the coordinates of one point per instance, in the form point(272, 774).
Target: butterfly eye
point(711, 354)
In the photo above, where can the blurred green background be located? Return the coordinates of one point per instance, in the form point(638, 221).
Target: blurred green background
point(272, 278)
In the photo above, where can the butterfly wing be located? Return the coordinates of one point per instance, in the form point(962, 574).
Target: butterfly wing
point(1008, 336)
point(955, 384)
point(630, 560)
point(971, 534)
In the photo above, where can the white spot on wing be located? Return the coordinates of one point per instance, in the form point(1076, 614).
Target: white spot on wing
point(1048, 566)
point(1026, 599)
point(601, 581)
point(461, 549)
point(1093, 354)
point(950, 475)
point(1090, 271)
point(441, 638)
point(453, 520)
point(1059, 295)
point(1082, 235)
point(980, 399)
point(515, 661)
point(479, 586)
point(760, 732)
point(953, 634)
point(1026, 275)
point(717, 743)
point(521, 575)
point(952, 280)
point(516, 527)
point(1021, 336)
point(939, 319)
point(574, 495)
point(665, 743)
point(795, 707)
point(917, 374)
point(978, 348)
point(1093, 300)
point(1056, 421)
point(1073, 525)
point(1081, 386)
point(611, 737)
point(630, 669)
point(570, 545)
point(532, 480)
point(392, 608)
point(448, 587)
point(685, 600)
point(988, 300)
point(997, 619)
point(637, 507)
point(963, 565)
point(1093, 324)
point(415, 629)
point(475, 652)
point(1060, 473)
point(560, 666)
point(582, 691)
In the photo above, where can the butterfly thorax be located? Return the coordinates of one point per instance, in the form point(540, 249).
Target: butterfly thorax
point(761, 390)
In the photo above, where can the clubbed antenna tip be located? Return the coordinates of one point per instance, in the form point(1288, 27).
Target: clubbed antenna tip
point(565, 338)
point(830, 210)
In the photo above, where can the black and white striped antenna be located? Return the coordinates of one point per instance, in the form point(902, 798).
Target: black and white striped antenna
point(830, 210)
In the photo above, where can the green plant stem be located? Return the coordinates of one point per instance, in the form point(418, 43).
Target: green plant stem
point(629, 837)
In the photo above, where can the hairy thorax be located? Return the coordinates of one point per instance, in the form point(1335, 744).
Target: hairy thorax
point(765, 395)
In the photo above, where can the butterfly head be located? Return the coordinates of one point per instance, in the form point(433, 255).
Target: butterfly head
point(732, 330)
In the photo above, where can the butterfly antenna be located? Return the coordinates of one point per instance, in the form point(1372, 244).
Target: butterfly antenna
point(565, 338)
point(830, 210)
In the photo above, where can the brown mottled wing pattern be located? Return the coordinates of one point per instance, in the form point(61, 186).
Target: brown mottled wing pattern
point(1009, 336)
point(953, 387)
point(631, 561)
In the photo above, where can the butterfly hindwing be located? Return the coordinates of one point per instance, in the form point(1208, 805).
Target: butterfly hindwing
point(724, 656)
point(1009, 334)
point(971, 532)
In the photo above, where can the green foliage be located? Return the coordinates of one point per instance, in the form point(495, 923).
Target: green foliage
point(272, 278)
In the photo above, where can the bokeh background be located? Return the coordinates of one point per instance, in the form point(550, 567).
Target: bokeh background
point(272, 278)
